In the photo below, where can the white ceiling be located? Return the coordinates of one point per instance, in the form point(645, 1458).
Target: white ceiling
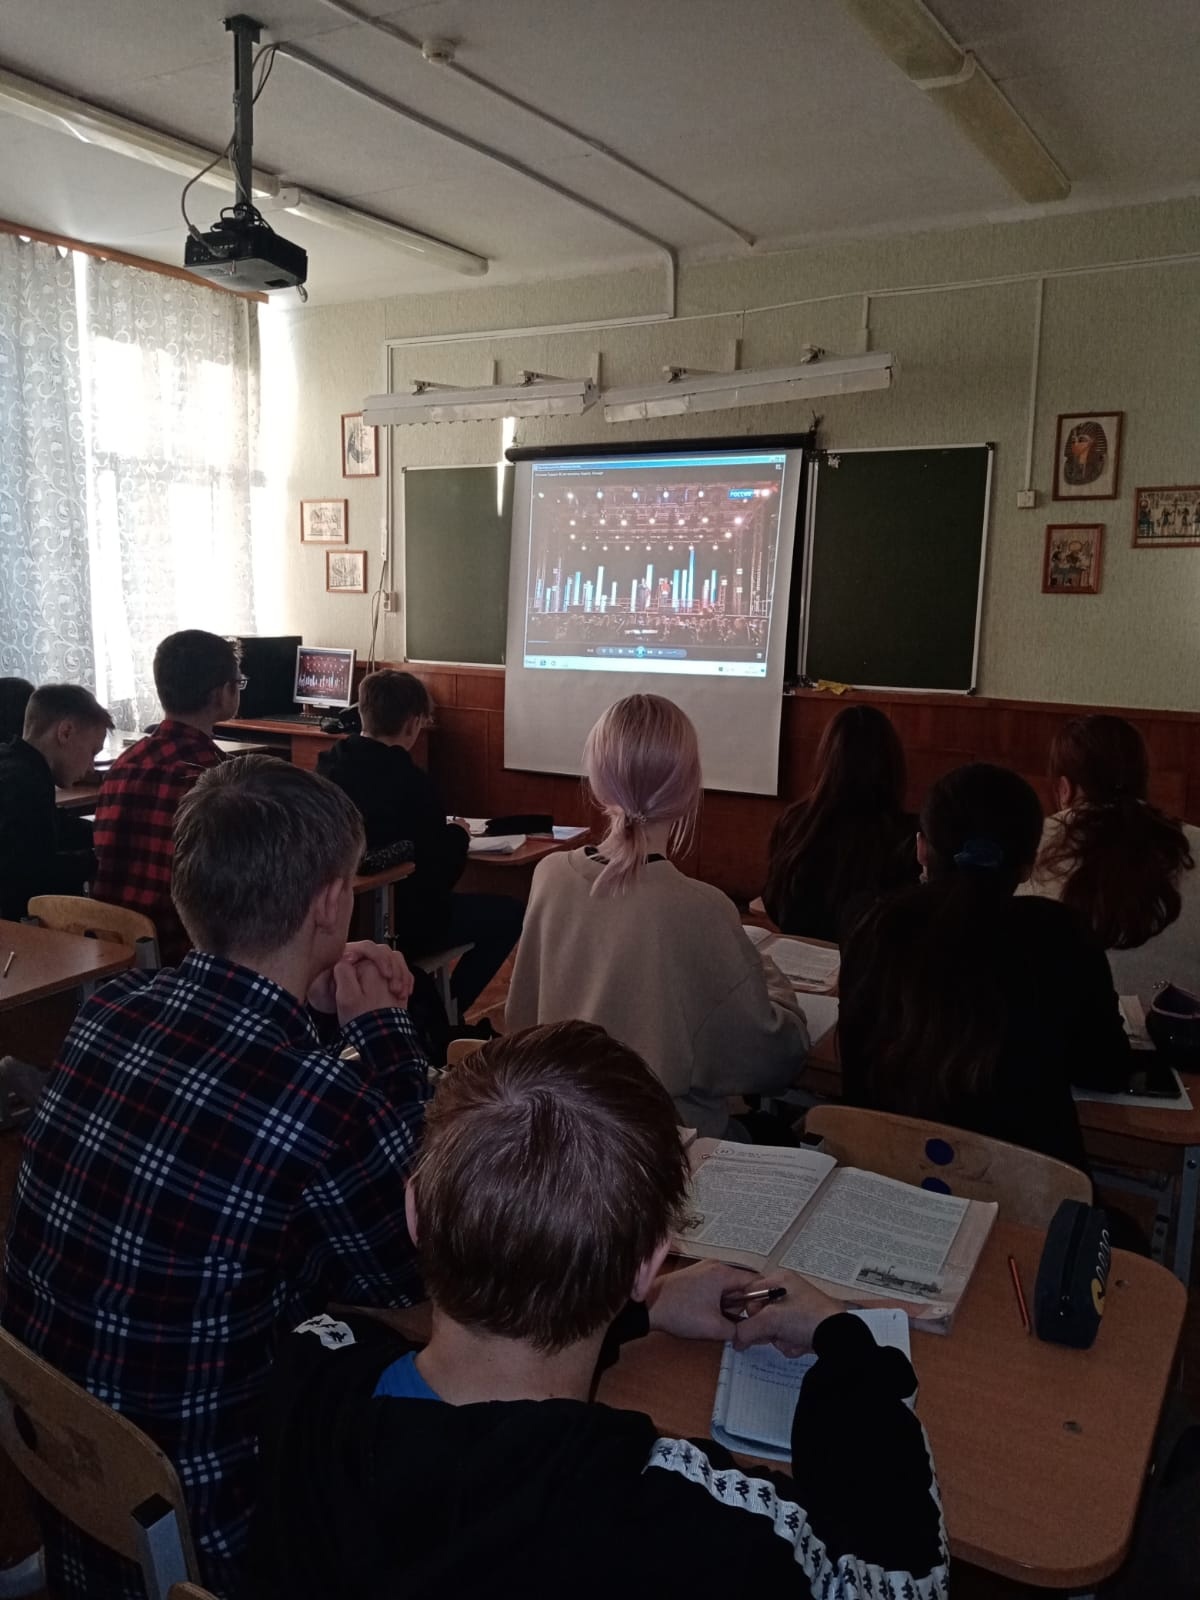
point(779, 114)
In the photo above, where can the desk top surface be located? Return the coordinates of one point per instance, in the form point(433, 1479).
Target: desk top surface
point(535, 847)
point(47, 963)
point(366, 881)
point(1040, 1451)
point(306, 728)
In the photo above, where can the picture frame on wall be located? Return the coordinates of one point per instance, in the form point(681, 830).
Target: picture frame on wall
point(1166, 517)
point(345, 572)
point(1087, 455)
point(360, 447)
point(1071, 564)
point(324, 521)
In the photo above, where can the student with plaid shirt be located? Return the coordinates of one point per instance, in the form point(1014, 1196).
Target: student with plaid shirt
point(202, 1170)
point(198, 679)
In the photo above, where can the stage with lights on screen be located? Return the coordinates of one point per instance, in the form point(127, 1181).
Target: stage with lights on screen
point(631, 569)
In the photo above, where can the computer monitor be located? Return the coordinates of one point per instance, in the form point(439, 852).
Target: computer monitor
point(324, 677)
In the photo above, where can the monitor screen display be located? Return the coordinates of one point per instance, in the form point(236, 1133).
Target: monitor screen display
point(324, 677)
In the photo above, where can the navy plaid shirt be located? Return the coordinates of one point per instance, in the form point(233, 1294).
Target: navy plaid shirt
point(200, 1174)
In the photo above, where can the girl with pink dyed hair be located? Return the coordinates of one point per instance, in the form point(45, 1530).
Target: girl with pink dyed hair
point(615, 934)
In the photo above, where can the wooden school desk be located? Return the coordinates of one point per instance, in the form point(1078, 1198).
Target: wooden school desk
point(47, 963)
point(512, 874)
point(1041, 1451)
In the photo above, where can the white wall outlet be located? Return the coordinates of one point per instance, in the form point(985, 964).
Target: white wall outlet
point(1026, 499)
point(391, 601)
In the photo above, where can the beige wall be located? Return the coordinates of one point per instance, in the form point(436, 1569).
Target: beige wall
point(1126, 339)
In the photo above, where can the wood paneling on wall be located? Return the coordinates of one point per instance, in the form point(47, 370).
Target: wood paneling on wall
point(466, 755)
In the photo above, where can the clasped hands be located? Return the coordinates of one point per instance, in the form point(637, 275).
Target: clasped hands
point(365, 977)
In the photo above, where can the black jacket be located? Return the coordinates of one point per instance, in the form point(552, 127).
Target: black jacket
point(42, 850)
point(1063, 1026)
point(400, 801)
point(372, 1498)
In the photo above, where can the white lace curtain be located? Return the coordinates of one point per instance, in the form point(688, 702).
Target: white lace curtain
point(45, 601)
point(131, 424)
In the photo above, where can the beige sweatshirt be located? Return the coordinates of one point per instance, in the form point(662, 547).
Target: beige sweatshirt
point(666, 969)
point(1172, 956)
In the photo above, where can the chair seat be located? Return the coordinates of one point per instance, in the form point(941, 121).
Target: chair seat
point(442, 958)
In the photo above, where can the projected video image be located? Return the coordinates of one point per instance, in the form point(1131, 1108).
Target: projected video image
point(654, 563)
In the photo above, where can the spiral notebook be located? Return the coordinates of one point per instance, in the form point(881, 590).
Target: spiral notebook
point(757, 1389)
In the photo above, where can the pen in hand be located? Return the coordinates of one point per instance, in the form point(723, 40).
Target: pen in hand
point(739, 1303)
point(12, 956)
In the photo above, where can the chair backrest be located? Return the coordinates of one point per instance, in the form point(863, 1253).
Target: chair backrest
point(94, 1467)
point(1027, 1186)
point(189, 1591)
point(459, 1049)
point(77, 913)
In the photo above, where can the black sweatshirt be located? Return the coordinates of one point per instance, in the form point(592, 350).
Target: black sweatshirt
point(1063, 1027)
point(372, 1498)
point(400, 801)
point(42, 850)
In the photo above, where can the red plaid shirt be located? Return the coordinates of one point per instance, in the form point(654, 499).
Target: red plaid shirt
point(201, 1174)
point(135, 818)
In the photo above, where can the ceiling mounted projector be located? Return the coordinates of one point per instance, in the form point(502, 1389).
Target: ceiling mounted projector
point(537, 395)
point(686, 391)
point(242, 250)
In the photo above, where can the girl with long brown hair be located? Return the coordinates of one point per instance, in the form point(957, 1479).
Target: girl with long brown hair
point(963, 1004)
point(1126, 867)
point(849, 839)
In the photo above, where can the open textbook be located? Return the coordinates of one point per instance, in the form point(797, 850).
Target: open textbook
point(757, 1389)
point(862, 1237)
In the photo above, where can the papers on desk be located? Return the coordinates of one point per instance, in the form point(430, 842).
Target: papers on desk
point(757, 1389)
point(566, 834)
point(476, 825)
point(811, 968)
point(499, 844)
point(821, 1014)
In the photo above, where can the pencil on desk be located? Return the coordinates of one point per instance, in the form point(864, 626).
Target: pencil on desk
point(12, 956)
point(1021, 1306)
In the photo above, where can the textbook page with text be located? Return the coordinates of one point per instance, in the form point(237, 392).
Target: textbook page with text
point(861, 1237)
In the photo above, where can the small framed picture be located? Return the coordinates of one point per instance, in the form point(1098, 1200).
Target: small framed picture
point(360, 446)
point(324, 521)
point(1087, 455)
point(1166, 517)
point(1072, 560)
point(346, 571)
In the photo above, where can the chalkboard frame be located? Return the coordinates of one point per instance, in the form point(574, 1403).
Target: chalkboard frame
point(814, 464)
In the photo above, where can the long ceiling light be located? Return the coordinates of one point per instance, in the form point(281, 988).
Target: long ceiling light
point(49, 108)
point(537, 395)
point(911, 36)
point(686, 391)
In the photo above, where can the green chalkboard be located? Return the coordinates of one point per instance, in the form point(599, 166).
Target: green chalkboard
point(457, 531)
point(895, 549)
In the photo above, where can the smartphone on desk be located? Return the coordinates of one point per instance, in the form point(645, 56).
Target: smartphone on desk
point(1154, 1079)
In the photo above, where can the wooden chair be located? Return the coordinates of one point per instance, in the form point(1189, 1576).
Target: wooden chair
point(459, 1049)
point(94, 919)
point(189, 1591)
point(439, 966)
point(94, 1468)
point(1028, 1187)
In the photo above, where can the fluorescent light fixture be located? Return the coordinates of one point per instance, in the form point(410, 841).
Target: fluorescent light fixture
point(34, 102)
point(911, 36)
point(535, 396)
point(726, 391)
